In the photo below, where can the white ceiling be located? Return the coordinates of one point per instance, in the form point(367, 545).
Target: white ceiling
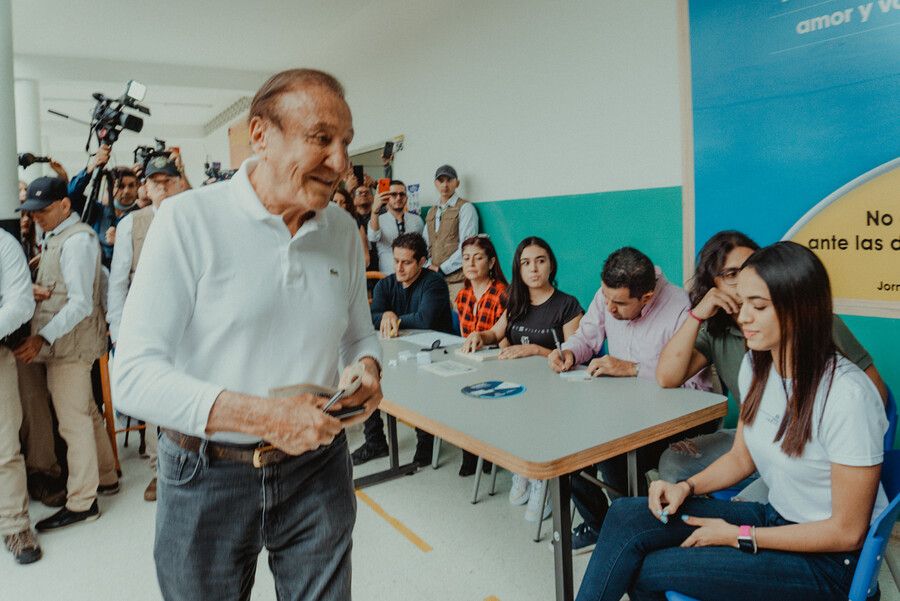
point(197, 58)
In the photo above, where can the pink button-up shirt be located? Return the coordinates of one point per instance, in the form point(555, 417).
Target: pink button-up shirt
point(639, 340)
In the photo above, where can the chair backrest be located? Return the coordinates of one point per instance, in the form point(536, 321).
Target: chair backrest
point(865, 579)
point(890, 408)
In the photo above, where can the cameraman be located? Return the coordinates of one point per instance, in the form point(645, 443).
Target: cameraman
point(78, 184)
point(125, 192)
point(165, 178)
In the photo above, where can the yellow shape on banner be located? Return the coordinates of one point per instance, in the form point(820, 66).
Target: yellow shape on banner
point(856, 234)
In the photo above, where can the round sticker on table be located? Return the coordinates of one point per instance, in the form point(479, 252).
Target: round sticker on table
point(493, 390)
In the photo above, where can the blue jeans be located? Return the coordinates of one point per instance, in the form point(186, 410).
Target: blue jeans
point(675, 466)
point(638, 554)
point(214, 517)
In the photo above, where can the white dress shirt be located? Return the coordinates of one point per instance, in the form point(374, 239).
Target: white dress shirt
point(387, 232)
point(16, 298)
point(78, 262)
point(227, 299)
point(119, 271)
point(468, 227)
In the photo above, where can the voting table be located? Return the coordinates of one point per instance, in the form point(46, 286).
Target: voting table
point(555, 427)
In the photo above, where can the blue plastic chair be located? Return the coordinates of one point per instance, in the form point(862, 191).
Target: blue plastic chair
point(865, 579)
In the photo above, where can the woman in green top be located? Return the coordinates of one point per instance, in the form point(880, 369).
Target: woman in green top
point(712, 337)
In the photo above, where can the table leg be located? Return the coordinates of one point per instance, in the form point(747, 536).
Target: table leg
point(560, 495)
point(478, 467)
point(396, 470)
point(631, 459)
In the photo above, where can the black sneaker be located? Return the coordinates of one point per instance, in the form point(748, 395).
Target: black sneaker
point(108, 489)
point(423, 454)
point(23, 546)
point(368, 452)
point(584, 539)
point(65, 518)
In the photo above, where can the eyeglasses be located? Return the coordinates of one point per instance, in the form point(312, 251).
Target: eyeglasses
point(729, 276)
point(397, 194)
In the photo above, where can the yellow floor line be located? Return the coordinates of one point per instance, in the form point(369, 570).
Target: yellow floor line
point(409, 534)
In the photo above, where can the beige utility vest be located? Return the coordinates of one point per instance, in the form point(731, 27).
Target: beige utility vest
point(87, 340)
point(445, 242)
point(140, 225)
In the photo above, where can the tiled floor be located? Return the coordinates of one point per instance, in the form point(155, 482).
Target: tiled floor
point(481, 552)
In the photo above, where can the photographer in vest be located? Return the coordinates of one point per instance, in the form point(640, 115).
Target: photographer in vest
point(163, 179)
point(68, 333)
point(446, 226)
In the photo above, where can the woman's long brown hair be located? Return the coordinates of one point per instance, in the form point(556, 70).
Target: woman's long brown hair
point(801, 296)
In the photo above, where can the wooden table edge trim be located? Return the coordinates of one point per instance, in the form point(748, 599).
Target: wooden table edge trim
point(564, 465)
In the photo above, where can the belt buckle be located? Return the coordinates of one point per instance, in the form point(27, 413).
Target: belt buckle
point(260, 453)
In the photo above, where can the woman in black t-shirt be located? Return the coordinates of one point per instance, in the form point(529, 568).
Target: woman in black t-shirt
point(535, 312)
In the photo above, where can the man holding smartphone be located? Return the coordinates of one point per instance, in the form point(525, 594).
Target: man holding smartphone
point(211, 325)
point(385, 226)
point(448, 224)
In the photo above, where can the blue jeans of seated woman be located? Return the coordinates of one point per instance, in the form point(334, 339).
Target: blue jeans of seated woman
point(214, 517)
point(638, 554)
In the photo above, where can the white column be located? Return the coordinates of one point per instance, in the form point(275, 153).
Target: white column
point(28, 124)
point(9, 181)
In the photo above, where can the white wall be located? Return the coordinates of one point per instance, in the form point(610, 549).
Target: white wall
point(525, 98)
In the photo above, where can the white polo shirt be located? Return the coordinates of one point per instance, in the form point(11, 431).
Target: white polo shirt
point(16, 297)
point(226, 299)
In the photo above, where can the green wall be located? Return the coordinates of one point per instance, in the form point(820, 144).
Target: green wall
point(584, 229)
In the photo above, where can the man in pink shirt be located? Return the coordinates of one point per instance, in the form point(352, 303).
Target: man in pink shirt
point(637, 311)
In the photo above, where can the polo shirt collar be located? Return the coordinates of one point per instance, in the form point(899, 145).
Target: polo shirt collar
point(69, 221)
point(452, 201)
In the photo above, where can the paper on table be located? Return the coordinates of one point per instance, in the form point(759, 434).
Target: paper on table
point(577, 374)
point(447, 368)
point(483, 354)
point(426, 339)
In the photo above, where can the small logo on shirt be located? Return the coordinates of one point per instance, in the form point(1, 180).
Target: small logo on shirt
point(525, 340)
point(333, 271)
point(775, 420)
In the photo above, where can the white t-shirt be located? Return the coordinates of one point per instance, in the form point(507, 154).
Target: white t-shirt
point(849, 432)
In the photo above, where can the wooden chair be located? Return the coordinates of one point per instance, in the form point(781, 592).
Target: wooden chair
point(109, 414)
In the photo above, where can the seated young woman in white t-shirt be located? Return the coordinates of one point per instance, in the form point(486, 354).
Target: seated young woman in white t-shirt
point(811, 423)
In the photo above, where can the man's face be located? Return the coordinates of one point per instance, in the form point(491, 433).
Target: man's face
point(406, 267)
point(363, 199)
point(398, 197)
point(621, 304)
point(446, 186)
point(23, 188)
point(51, 216)
point(127, 191)
point(307, 158)
point(161, 186)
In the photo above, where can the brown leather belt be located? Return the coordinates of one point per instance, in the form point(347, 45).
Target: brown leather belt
point(259, 455)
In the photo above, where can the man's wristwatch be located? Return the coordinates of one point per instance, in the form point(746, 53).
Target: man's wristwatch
point(747, 539)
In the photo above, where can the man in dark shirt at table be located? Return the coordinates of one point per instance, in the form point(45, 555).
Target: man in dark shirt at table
point(414, 298)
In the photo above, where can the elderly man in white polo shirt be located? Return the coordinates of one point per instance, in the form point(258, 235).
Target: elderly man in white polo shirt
point(247, 285)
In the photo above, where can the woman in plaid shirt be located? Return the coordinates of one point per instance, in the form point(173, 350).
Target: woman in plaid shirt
point(479, 304)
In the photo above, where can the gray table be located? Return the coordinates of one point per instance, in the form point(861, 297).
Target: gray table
point(549, 431)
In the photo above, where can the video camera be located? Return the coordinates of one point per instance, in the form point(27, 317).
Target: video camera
point(145, 154)
point(26, 159)
point(109, 117)
point(214, 171)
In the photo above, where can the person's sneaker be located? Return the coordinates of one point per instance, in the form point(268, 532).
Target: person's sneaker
point(150, 491)
point(423, 454)
point(54, 499)
point(108, 489)
point(534, 509)
point(65, 518)
point(518, 494)
point(584, 539)
point(23, 546)
point(368, 452)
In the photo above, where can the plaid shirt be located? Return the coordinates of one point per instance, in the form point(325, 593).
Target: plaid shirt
point(478, 316)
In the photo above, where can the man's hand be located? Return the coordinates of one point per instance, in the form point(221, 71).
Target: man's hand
point(175, 157)
point(561, 364)
point(390, 325)
point(59, 170)
point(610, 366)
point(387, 160)
point(40, 293)
point(100, 158)
point(29, 348)
point(712, 532)
point(111, 235)
point(138, 169)
point(297, 424)
point(379, 202)
point(714, 300)
point(32, 263)
point(368, 393)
